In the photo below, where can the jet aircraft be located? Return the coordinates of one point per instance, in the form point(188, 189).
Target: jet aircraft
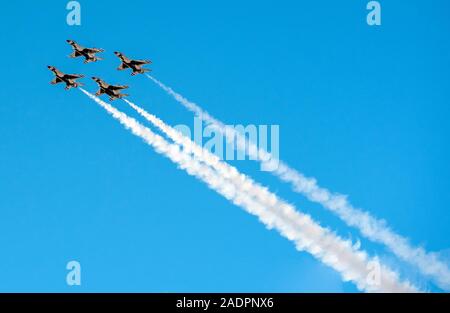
point(87, 53)
point(113, 91)
point(134, 65)
point(68, 79)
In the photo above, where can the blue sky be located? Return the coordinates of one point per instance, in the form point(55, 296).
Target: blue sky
point(363, 109)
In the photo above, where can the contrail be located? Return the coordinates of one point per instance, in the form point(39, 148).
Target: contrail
point(320, 242)
point(371, 227)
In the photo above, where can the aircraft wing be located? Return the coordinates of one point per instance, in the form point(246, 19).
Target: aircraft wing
point(122, 66)
point(118, 87)
point(73, 76)
point(100, 92)
point(93, 50)
point(141, 62)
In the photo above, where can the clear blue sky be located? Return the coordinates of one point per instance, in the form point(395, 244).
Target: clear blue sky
point(363, 109)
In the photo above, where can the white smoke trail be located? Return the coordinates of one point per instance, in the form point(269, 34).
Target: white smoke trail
point(323, 244)
point(372, 228)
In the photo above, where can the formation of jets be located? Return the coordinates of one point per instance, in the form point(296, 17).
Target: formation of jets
point(89, 54)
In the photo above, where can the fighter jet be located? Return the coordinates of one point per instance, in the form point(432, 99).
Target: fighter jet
point(113, 91)
point(87, 53)
point(134, 65)
point(68, 79)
